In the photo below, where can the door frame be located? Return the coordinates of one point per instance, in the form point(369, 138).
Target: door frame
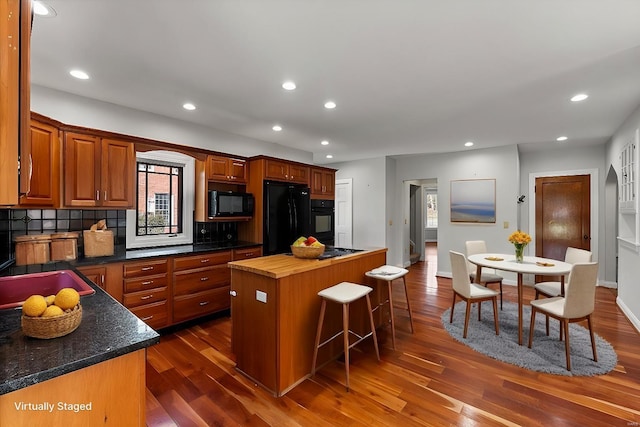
point(593, 184)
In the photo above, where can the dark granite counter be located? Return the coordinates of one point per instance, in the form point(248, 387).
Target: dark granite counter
point(107, 330)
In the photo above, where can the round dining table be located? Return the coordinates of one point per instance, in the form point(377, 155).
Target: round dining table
point(529, 265)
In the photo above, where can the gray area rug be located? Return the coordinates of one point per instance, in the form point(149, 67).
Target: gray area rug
point(547, 353)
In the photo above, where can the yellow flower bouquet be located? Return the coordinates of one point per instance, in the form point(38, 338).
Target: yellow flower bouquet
point(520, 239)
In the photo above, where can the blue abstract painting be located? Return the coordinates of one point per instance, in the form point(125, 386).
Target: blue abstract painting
point(473, 200)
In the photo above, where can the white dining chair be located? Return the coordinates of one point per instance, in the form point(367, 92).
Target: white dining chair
point(487, 276)
point(469, 292)
point(577, 305)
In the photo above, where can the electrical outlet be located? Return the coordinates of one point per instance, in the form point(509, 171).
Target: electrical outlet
point(261, 296)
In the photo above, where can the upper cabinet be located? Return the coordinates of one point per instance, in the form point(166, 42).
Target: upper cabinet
point(98, 172)
point(281, 170)
point(226, 169)
point(323, 183)
point(44, 166)
point(14, 93)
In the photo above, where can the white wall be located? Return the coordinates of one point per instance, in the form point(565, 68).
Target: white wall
point(628, 253)
point(369, 200)
point(80, 111)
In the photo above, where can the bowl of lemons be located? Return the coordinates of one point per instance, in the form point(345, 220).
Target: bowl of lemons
point(52, 316)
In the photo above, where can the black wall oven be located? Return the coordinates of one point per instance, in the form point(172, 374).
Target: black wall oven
point(323, 221)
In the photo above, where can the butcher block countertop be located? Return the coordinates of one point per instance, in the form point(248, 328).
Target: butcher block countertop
point(281, 265)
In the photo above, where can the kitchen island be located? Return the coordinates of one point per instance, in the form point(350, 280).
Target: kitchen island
point(93, 376)
point(275, 308)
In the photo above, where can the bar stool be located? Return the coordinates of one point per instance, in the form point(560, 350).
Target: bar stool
point(344, 293)
point(389, 273)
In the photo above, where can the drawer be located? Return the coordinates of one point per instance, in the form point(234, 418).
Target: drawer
point(205, 260)
point(146, 282)
point(201, 279)
point(134, 299)
point(155, 314)
point(246, 253)
point(195, 305)
point(144, 268)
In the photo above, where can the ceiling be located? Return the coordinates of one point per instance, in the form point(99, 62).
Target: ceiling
point(408, 77)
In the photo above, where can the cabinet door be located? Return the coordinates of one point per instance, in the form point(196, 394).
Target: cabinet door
point(81, 170)
point(317, 176)
point(118, 164)
point(44, 166)
point(329, 183)
point(275, 169)
point(217, 168)
point(299, 173)
point(238, 170)
point(95, 274)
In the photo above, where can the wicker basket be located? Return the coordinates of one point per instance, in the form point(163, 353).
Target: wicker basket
point(308, 252)
point(52, 327)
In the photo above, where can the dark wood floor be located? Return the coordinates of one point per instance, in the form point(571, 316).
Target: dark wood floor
point(430, 380)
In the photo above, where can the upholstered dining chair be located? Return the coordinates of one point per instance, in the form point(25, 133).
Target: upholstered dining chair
point(486, 277)
point(577, 305)
point(469, 292)
point(555, 289)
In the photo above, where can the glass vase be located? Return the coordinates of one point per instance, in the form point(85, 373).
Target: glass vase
point(519, 252)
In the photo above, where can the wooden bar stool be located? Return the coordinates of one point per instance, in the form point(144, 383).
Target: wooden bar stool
point(344, 293)
point(389, 273)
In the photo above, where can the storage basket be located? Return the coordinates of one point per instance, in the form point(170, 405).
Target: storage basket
point(52, 327)
point(308, 252)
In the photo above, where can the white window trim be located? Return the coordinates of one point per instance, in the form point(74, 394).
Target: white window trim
point(188, 194)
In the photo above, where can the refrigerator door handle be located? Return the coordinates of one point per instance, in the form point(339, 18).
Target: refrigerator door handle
point(295, 214)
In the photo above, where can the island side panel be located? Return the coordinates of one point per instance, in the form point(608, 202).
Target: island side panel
point(299, 308)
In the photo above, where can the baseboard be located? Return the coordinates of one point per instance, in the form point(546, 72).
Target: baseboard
point(628, 313)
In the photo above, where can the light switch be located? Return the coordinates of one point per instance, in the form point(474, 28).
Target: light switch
point(261, 296)
point(506, 224)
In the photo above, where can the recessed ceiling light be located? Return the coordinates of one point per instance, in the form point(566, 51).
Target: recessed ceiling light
point(277, 128)
point(579, 97)
point(561, 138)
point(329, 156)
point(42, 9)
point(79, 74)
point(329, 105)
point(188, 106)
point(288, 85)
point(468, 144)
point(325, 142)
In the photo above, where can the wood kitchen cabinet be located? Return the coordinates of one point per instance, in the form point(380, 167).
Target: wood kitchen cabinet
point(98, 172)
point(14, 94)
point(146, 287)
point(44, 166)
point(226, 169)
point(200, 285)
point(246, 253)
point(323, 183)
point(107, 276)
point(286, 171)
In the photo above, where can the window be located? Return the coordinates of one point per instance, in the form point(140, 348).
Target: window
point(165, 195)
point(431, 208)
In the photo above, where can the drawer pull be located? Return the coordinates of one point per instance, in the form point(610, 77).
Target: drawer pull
point(203, 303)
point(148, 282)
point(146, 268)
point(249, 254)
point(146, 297)
point(147, 318)
point(203, 261)
point(204, 279)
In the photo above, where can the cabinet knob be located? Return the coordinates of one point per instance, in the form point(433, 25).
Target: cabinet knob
point(233, 293)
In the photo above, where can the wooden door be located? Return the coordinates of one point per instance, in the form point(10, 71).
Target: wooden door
point(81, 170)
point(299, 173)
point(118, 177)
point(238, 170)
point(563, 215)
point(217, 168)
point(44, 163)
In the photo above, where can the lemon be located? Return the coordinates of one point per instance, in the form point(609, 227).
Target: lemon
point(34, 306)
point(67, 298)
point(52, 311)
point(50, 299)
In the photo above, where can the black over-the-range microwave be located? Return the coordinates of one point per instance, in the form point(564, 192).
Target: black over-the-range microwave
point(230, 203)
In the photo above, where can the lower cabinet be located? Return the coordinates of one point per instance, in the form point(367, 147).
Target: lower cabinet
point(146, 290)
point(107, 276)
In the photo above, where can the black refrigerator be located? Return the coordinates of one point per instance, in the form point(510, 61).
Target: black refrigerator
point(287, 215)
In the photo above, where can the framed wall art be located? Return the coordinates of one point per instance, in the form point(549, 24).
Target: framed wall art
point(473, 200)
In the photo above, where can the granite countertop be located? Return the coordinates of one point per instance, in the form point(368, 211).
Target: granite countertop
point(107, 330)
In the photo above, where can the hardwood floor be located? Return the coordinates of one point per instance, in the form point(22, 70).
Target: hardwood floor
point(430, 380)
